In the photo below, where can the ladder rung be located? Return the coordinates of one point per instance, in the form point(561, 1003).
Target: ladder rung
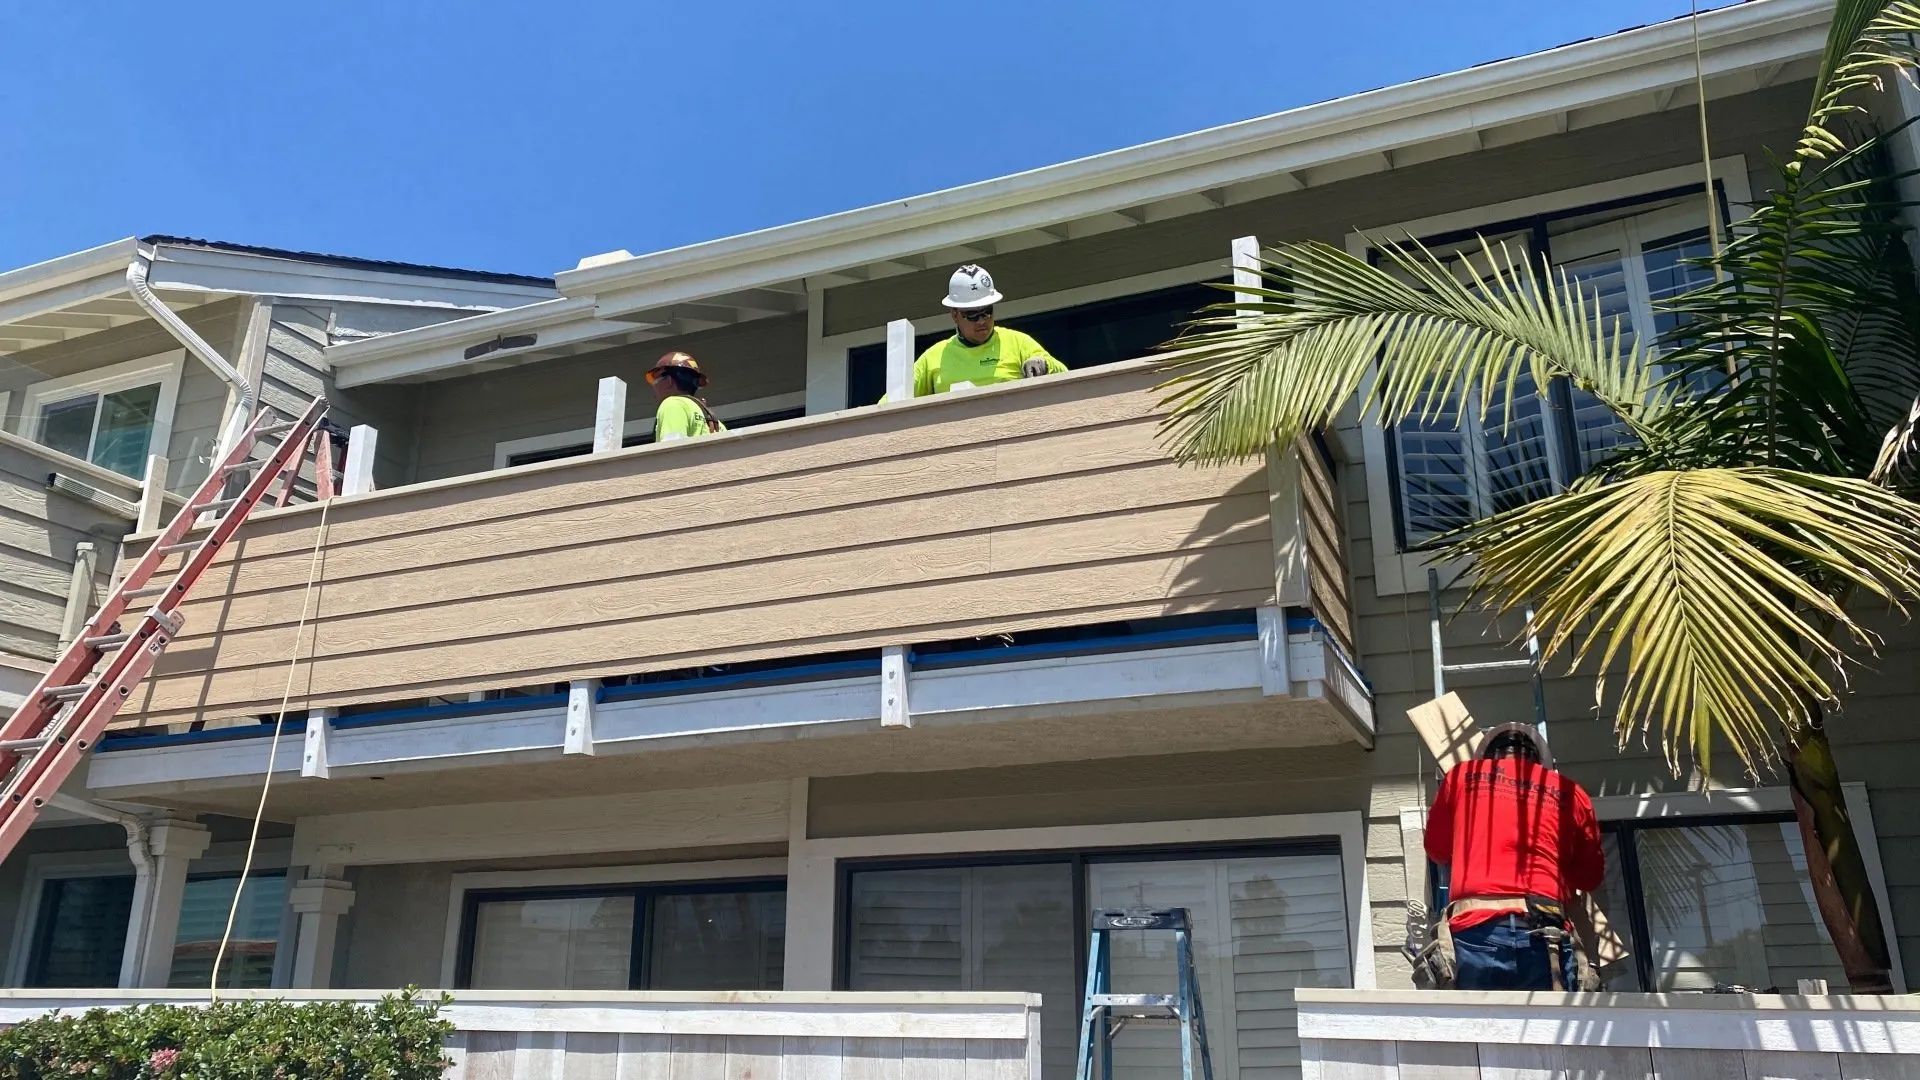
point(108, 641)
point(150, 590)
point(68, 692)
point(240, 466)
point(19, 746)
point(1137, 1006)
point(274, 429)
point(184, 545)
point(217, 505)
point(1490, 665)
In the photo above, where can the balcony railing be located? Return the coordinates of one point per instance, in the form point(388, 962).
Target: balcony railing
point(1010, 508)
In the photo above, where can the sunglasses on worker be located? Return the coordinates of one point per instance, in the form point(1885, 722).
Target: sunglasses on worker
point(656, 375)
point(977, 315)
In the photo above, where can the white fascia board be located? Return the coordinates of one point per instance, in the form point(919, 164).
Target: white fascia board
point(1207, 674)
point(1539, 84)
point(70, 279)
point(444, 345)
point(250, 273)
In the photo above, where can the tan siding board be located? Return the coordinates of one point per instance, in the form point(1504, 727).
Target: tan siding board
point(374, 670)
point(857, 548)
point(801, 541)
point(40, 531)
point(1627, 148)
point(941, 493)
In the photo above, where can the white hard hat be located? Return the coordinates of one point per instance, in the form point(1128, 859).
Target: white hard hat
point(971, 287)
point(1525, 731)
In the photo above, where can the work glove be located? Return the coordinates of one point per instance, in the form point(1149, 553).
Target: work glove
point(1033, 368)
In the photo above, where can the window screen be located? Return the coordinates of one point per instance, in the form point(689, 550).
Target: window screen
point(81, 932)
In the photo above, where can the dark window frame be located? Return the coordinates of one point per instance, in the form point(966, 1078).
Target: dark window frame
point(1077, 859)
point(38, 940)
point(1558, 398)
point(641, 953)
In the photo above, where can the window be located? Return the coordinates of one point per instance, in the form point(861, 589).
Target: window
point(1717, 901)
point(1265, 923)
point(256, 930)
point(707, 936)
point(80, 931)
point(113, 418)
point(1087, 335)
point(1453, 466)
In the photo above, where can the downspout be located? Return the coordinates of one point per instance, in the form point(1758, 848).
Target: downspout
point(143, 869)
point(246, 399)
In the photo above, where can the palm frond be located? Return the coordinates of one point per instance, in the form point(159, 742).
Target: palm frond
point(1265, 372)
point(1814, 308)
point(1898, 465)
point(1713, 587)
point(1867, 40)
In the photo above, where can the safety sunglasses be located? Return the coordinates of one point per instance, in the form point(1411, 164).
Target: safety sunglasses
point(977, 314)
point(656, 375)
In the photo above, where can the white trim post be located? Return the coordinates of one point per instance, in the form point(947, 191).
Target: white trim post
point(320, 899)
point(1283, 464)
point(895, 710)
point(174, 843)
point(86, 562)
point(610, 415)
point(826, 362)
point(315, 762)
point(900, 360)
point(580, 700)
point(356, 478)
point(1276, 677)
point(153, 495)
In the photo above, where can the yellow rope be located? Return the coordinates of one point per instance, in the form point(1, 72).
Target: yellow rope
point(273, 749)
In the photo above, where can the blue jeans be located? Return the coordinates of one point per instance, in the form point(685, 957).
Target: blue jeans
point(1503, 953)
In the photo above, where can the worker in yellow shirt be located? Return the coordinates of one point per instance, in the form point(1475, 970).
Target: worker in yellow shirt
point(979, 353)
point(682, 414)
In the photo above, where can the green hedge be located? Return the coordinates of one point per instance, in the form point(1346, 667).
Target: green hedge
point(400, 1038)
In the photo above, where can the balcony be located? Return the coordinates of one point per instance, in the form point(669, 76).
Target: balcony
point(840, 551)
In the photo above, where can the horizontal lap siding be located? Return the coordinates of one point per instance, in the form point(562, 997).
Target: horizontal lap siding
point(39, 532)
point(1049, 506)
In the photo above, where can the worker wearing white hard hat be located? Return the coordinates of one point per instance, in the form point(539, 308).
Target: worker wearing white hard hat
point(979, 353)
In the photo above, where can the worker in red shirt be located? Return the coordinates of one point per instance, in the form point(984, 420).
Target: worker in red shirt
point(1519, 839)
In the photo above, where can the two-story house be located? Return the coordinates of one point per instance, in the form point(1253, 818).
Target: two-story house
point(866, 696)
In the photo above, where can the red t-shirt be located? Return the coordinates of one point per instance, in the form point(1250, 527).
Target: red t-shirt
point(1512, 827)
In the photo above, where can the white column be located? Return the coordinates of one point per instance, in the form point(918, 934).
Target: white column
point(153, 495)
point(811, 881)
point(826, 364)
point(357, 477)
point(900, 360)
point(320, 899)
point(1283, 464)
point(610, 415)
point(174, 844)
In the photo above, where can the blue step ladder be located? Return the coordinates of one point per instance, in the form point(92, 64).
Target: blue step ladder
point(1103, 1013)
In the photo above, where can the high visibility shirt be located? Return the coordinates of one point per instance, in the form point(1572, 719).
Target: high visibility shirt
point(995, 360)
point(679, 416)
point(1513, 828)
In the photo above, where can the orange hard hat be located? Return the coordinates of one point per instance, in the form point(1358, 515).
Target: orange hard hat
point(677, 359)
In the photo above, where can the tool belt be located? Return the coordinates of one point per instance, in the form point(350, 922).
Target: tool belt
point(1436, 967)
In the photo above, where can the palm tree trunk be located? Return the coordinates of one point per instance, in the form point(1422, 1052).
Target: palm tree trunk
point(1834, 861)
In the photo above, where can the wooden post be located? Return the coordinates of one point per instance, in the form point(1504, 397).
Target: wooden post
point(899, 360)
point(357, 477)
point(579, 735)
point(314, 762)
point(610, 415)
point(1283, 465)
point(86, 563)
point(895, 710)
point(153, 495)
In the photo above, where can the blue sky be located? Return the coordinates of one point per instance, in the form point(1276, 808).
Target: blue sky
point(519, 137)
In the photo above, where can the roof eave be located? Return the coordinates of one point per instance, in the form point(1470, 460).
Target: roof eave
point(67, 280)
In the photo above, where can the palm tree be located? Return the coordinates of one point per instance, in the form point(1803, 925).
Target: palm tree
point(1718, 559)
